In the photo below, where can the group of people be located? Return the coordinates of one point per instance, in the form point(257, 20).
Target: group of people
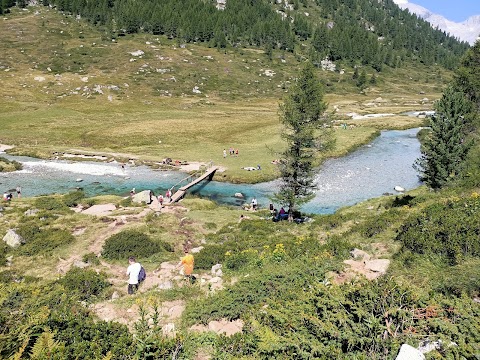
point(231, 152)
point(134, 270)
point(161, 198)
point(278, 215)
point(7, 196)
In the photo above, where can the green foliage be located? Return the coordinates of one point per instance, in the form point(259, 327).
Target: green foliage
point(41, 306)
point(49, 203)
point(129, 243)
point(378, 224)
point(9, 165)
point(306, 133)
point(73, 198)
point(450, 229)
point(446, 148)
point(84, 283)
point(40, 241)
point(91, 258)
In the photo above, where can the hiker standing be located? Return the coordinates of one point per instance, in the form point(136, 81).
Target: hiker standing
point(254, 204)
point(187, 262)
point(19, 191)
point(160, 200)
point(132, 272)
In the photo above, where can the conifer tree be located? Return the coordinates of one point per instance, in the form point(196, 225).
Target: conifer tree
point(305, 132)
point(446, 146)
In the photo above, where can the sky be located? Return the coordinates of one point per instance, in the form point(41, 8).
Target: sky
point(455, 10)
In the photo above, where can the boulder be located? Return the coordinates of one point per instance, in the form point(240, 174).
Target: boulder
point(408, 352)
point(239, 195)
point(81, 264)
point(217, 270)
point(13, 239)
point(377, 265)
point(143, 196)
point(399, 188)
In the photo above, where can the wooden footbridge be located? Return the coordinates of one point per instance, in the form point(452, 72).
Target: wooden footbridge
point(180, 193)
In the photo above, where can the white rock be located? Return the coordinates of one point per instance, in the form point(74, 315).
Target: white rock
point(13, 239)
point(39, 78)
point(399, 188)
point(408, 352)
point(137, 53)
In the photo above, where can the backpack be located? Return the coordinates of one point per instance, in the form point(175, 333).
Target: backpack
point(142, 275)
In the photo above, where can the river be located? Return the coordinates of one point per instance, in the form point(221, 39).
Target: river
point(368, 172)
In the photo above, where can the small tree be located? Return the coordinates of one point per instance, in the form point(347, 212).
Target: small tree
point(305, 132)
point(446, 147)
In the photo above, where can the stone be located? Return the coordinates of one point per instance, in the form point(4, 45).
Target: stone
point(143, 196)
point(115, 295)
point(239, 195)
point(408, 352)
point(168, 328)
point(13, 239)
point(196, 250)
point(31, 212)
point(377, 265)
point(216, 269)
point(216, 279)
point(167, 285)
point(427, 346)
point(359, 254)
point(81, 264)
point(399, 188)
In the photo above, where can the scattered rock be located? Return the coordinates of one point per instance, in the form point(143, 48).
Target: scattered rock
point(137, 53)
point(81, 264)
point(13, 239)
point(427, 346)
point(31, 212)
point(196, 250)
point(408, 352)
point(378, 265)
point(359, 254)
point(167, 285)
point(217, 270)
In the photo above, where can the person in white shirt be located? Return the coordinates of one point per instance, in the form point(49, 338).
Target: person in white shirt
point(132, 272)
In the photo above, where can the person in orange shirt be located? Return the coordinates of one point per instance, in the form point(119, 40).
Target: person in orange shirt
point(187, 261)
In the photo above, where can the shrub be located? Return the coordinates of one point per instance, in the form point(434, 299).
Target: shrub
point(44, 241)
point(49, 203)
point(378, 224)
point(129, 243)
point(91, 258)
point(209, 256)
point(84, 283)
point(73, 198)
point(450, 230)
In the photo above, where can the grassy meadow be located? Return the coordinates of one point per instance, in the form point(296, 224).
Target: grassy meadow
point(66, 86)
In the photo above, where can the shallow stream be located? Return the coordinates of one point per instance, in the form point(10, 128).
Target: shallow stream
point(369, 172)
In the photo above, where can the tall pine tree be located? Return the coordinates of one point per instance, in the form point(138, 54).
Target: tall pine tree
point(305, 132)
point(446, 147)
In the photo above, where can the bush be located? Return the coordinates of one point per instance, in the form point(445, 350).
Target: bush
point(91, 258)
point(450, 230)
point(84, 283)
point(378, 224)
point(43, 241)
point(73, 198)
point(209, 256)
point(49, 203)
point(129, 243)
